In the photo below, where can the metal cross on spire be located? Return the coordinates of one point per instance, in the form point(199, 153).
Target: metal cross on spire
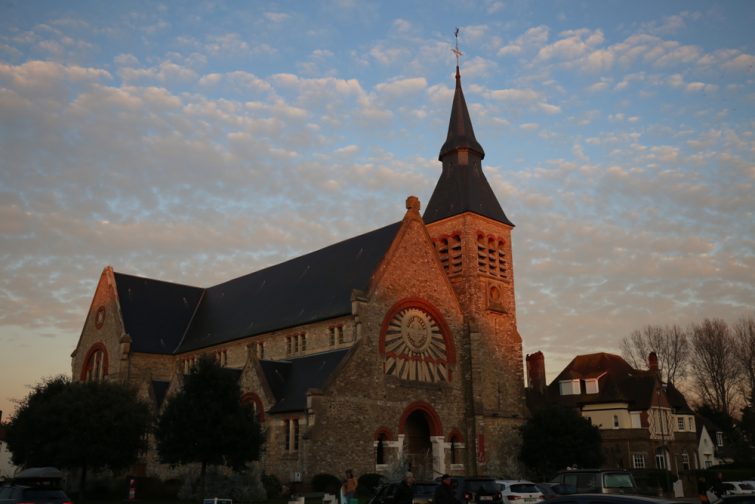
point(456, 50)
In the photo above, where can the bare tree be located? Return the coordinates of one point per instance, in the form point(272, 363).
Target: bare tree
point(714, 365)
point(669, 344)
point(744, 335)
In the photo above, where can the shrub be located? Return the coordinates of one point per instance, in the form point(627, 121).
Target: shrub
point(367, 484)
point(327, 483)
point(273, 486)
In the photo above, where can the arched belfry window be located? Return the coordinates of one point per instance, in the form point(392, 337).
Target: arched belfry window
point(95, 364)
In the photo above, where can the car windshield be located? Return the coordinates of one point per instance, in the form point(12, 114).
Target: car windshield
point(617, 480)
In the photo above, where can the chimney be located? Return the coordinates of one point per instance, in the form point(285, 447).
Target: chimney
point(536, 371)
point(653, 362)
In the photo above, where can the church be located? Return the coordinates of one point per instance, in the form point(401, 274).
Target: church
point(397, 348)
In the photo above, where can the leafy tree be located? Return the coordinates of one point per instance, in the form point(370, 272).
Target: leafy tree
point(206, 422)
point(669, 344)
point(557, 437)
point(78, 425)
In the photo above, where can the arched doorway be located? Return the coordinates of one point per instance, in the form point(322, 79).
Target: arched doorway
point(418, 448)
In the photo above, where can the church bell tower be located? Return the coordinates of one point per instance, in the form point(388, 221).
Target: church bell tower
point(472, 237)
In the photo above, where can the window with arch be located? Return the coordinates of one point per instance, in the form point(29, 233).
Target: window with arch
point(450, 253)
point(381, 438)
point(455, 442)
point(491, 255)
point(254, 401)
point(380, 449)
point(96, 364)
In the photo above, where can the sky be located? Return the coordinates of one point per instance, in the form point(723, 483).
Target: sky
point(198, 141)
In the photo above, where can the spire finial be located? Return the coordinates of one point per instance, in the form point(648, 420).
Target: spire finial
point(456, 50)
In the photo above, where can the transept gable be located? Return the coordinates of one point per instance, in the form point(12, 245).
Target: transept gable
point(411, 267)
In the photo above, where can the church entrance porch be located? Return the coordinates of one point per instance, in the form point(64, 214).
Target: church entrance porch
point(422, 445)
point(419, 450)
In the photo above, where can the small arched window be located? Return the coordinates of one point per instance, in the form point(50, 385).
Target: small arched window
point(380, 449)
point(255, 402)
point(95, 364)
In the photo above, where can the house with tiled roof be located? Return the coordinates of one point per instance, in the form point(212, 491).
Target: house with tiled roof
point(644, 423)
point(396, 347)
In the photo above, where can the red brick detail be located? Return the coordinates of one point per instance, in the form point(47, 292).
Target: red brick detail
point(433, 419)
point(252, 398)
point(97, 347)
point(455, 435)
point(385, 431)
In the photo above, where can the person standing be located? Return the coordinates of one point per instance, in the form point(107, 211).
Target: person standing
point(349, 487)
point(444, 494)
point(405, 492)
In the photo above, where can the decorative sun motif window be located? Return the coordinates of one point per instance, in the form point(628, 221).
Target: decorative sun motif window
point(415, 344)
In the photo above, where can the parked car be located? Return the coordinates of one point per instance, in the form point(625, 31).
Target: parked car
point(731, 488)
point(598, 480)
point(18, 494)
point(737, 499)
point(553, 490)
point(481, 491)
point(476, 490)
point(601, 498)
point(36, 485)
point(519, 491)
point(423, 492)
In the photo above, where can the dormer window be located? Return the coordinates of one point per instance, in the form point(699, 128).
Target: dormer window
point(569, 387)
point(591, 386)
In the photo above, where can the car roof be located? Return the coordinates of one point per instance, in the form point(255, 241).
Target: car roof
point(618, 498)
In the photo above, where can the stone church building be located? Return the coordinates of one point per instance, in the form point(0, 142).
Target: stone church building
point(395, 347)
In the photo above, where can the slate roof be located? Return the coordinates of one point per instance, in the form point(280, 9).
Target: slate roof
point(155, 313)
point(460, 130)
point(165, 318)
point(309, 288)
point(289, 380)
point(462, 188)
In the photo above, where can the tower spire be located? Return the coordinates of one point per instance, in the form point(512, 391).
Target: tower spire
point(460, 132)
point(462, 186)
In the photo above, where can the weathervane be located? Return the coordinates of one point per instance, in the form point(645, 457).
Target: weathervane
point(456, 50)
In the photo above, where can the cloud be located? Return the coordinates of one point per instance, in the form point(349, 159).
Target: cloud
point(402, 87)
point(532, 40)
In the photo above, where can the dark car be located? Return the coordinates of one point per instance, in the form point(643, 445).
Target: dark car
point(36, 485)
point(17, 494)
point(738, 499)
point(602, 498)
point(608, 481)
point(423, 492)
point(482, 491)
point(553, 490)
